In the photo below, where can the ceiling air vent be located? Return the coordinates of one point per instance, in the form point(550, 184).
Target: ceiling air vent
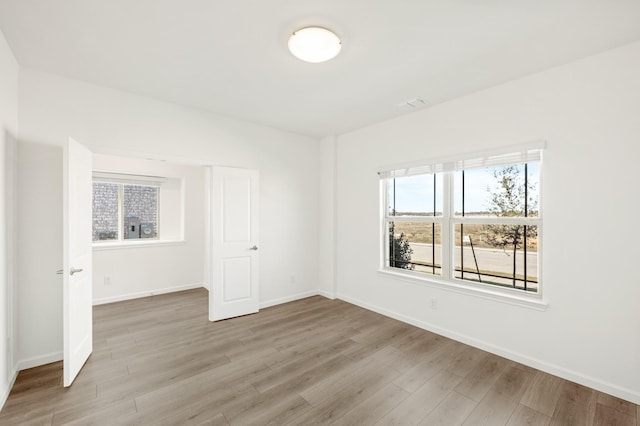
point(412, 104)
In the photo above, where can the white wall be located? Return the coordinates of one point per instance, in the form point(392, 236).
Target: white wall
point(326, 235)
point(589, 112)
point(112, 122)
point(8, 136)
point(138, 271)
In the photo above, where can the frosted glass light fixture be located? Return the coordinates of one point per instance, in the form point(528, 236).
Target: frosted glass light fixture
point(314, 44)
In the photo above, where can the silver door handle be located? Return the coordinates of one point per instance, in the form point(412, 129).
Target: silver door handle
point(71, 272)
point(254, 248)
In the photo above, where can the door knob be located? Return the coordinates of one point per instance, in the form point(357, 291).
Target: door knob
point(254, 248)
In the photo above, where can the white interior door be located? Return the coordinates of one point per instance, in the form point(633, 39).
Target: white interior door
point(234, 243)
point(77, 253)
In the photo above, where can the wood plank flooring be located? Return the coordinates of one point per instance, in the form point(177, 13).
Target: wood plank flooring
point(159, 361)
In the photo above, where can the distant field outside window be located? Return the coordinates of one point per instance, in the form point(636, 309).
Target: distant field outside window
point(416, 246)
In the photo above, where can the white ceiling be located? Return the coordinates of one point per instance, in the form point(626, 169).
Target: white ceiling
point(230, 57)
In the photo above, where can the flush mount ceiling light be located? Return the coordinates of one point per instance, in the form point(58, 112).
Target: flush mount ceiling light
point(314, 44)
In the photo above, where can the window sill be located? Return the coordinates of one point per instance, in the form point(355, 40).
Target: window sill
point(505, 296)
point(117, 245)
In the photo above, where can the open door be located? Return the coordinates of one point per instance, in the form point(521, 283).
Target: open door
point(234, 243)
point(77, 259)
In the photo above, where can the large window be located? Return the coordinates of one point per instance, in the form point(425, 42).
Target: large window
point(124, 210)
point(474, 221)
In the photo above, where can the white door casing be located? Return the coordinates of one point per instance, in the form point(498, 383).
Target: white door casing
point(77, 258)
point(234, 255)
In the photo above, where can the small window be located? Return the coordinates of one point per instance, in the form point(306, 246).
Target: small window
point(475, 221)
point(125, 211)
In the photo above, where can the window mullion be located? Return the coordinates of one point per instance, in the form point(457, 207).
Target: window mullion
point(528, 221)
point(384, 226)
point(447, 225)
point(120, 212)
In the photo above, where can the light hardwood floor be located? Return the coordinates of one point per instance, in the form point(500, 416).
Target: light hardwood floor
point(158, 360)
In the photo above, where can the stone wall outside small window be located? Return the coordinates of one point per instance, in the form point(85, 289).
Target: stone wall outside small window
point(138, 201)
point(142, 202)
point(105, 211)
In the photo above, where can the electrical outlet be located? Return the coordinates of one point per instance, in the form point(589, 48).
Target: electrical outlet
point(292, 279)
point(107, 280)
point(434, 304)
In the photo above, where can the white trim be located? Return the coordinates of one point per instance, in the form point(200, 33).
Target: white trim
point(147, 293)
point(7, 390)
point(565, 373)
point(497, 220)
point(287, 299)
point(128, 244)
point(447, 235)
point(37, 361)
point(120, 181)
point(421, 219)
point(127, 179)
point(326, 294)
point(483, 291)
point(428, 165)
point(293, 298)
point(448, 219)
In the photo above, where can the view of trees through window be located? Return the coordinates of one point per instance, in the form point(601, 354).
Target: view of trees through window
point(491, 230)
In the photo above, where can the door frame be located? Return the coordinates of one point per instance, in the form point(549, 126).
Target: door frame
point(186, 161)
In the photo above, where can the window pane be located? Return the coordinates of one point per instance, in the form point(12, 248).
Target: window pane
point(391, 197)
point(533, 189)
point(105, 211)
point(497, 191)
point(140, 211)
point(415, 246)
point(496, 254)
point(419, 195)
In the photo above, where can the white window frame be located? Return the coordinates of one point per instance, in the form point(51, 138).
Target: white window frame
point(447, 167)
point(121, 180)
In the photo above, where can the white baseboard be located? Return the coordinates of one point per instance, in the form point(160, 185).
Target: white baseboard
point(7, 390)
point(39, 360)
point(574, 376)
point(274, 302)
point(147, 293)
point(327, 294)
point(57, 356)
